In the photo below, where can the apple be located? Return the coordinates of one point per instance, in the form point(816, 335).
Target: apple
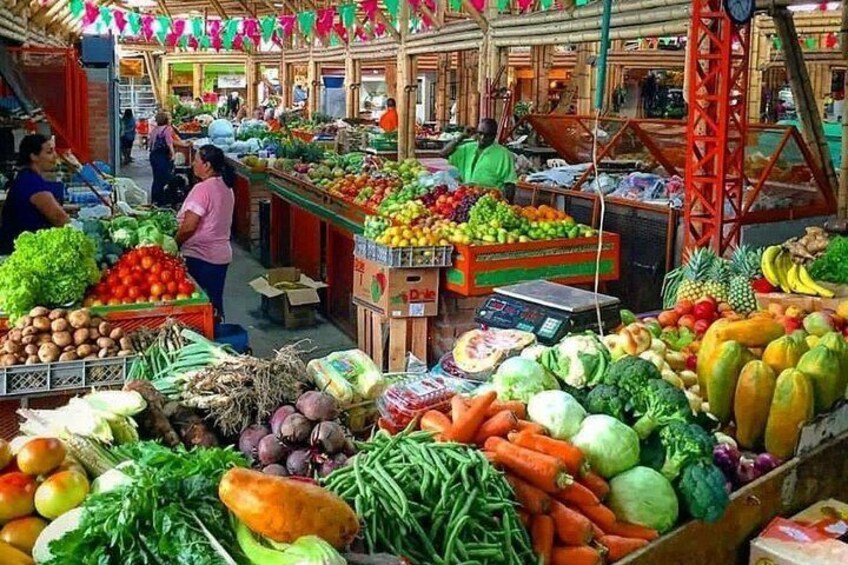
point(61, 492)
point(16, 496)
point(684, 307)
point(701, 326)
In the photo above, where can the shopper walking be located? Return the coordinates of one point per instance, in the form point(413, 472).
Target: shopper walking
point(32, 202)
point(127, 136)
point(206, 219)
point(162, 140)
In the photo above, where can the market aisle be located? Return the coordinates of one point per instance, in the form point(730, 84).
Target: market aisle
point(242, 304)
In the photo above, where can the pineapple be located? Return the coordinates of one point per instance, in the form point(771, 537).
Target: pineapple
point(719, 280)
point(745, 265)
point(695, 274)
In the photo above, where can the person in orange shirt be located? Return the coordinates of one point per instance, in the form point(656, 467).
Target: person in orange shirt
point(389, 119)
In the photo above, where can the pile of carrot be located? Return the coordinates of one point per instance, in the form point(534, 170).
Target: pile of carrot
point(561, 499)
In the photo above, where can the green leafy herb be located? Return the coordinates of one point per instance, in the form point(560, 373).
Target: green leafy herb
point(832, 267)
point(154, 520)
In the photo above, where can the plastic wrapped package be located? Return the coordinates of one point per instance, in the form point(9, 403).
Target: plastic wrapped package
point(349, 376)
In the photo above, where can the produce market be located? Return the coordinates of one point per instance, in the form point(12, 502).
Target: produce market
point(424, 282)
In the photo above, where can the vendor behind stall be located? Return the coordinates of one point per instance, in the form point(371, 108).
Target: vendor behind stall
point(206, 219)
point(389, 119)
point(483, 163)
point(32, 202)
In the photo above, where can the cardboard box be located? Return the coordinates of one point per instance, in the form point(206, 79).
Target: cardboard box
point(288, 296)
point(396, 293)
point(813, 537)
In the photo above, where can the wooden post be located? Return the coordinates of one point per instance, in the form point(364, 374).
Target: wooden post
point(391, 77)
point(759, 55)
point(164, 81)
point(472, 76)
point(197, 80)
point(583, 79)
point(252, 82)
point(541, 59)
point(353, 82)
point(802, 91)
point(442, 83)
point(287, 83)
point(313, 76)
point(842, 193)
point(406, 89)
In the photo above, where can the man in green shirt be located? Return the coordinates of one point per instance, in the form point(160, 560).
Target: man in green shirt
point(483, 163)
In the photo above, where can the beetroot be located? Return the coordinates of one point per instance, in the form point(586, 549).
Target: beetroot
point(250, 438)
point(276, 469)
point(280, 416)
point(318, 406)
point(270, 450)
point(330, 464)
point(299, 463)
point(329, 436)
point(295, 429)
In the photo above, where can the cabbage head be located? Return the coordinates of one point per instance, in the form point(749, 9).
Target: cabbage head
point(643, 496)
point(518, 378)
point(579, 360)
point(557, 411)
point(609, 446)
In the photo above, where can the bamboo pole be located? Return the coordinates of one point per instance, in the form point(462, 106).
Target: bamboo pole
point(442, 100)
point(668, 28)
point(405, 89)
point(589, 14)
point(197, 71)
point(353, 80)
point(802, 89)
point(842, 192)
point(648, 17)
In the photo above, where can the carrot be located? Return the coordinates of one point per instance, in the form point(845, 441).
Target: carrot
point(516, 406)
point(595, 483)
point(542, 535)
point(531, 499)
point(597, 533)
point(572, 527)
point(577, 494)
point(583, 555)
point(526, 426)
point(602, 516)
point(498, 425)
point(435, 421)
point(458, 407)
point(543, 471)
point(626, 530)
point(570, 455)
point(524, 517)
point(619, 547)
point(465, 427)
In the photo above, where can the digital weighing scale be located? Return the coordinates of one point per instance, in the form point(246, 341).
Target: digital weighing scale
point(547, 309)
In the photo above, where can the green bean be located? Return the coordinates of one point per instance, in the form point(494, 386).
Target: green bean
point(452, 535)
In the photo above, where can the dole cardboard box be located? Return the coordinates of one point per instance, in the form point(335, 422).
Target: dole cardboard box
point(288, 296)
point(396, 293)
point(816, 536)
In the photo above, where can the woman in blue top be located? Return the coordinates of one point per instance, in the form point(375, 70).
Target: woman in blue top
point(32, 203)
point(127, 136)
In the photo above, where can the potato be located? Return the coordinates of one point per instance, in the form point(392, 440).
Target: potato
point(69, 348)
point(29, 330)
point(57, 313)
point(44, 338)
point(59, 325)
point(62, 339)
point(27, 340)
point(23, 322)
point(41, 323)
point(105, 343)
point(79, 318)
point(84, 350)
point(15, 335)
point(31, 349)
point(48, 352)
point(103, 353)
point(93, 334)
point(8, 359)
point(116, 334)
point(68, 356)
point(92, 356)
point(95, 322)
point(38, 311)
point(105, 328)
point(12, 347)
point(124, 353)
point(125, 343)
point(80, 336)
point(32, 360)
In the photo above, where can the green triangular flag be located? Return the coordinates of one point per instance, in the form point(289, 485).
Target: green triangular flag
point(77, 8)
point(268, 25)
point(306, 22)
point(546, 4)
point(106, 16)
point(456, 5)
point(183, 42)
point(503, 5)
point(163, 28)
point(347, 13)
point(227, 41)
point(334, 40)
point(811, 42)
point(246, 43)
point(133, 22)
point(392, 7)
point(776, 43)
point(205, 42)
point(197, 27)
point(230, 28)
point(413, 22)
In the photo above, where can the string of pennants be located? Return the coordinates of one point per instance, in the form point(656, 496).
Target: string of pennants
point(335, 25)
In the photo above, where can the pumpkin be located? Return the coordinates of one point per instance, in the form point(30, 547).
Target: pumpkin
point(284, 509)
point(824, 369)
point(785, 352)
point(791, 407)
point(722, 378)
point(754, 392)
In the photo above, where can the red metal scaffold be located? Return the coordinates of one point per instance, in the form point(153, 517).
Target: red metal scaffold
point(717, 127)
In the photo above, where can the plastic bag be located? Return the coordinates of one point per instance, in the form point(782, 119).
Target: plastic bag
point(350, 376)
point(439, 178)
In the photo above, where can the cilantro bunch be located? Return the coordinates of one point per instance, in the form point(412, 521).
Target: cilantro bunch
point(50, 267)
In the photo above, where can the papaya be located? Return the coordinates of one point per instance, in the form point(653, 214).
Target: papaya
point(722, 378)
point(10, 555)
point(706, 355)
point(751, 332)
point(791, 407)
point(284, 509)
point(785, 352)
point(824, 369)
point(835, 342)
point(754, 391)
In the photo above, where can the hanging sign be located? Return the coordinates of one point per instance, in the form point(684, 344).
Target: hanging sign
point(232, 81)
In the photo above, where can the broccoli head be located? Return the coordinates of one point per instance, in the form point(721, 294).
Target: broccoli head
point(684, 444)
point(652, 452)
point(658, 404)
point(609, 400)
point(631, 374)
point(702, 490)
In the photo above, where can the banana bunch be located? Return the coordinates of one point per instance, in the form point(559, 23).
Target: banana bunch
point(780, 270)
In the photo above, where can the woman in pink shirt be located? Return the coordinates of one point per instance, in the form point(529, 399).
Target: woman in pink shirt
point(206, 219)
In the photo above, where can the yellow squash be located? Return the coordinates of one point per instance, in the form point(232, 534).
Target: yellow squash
point(754, 392)
point(791, 407)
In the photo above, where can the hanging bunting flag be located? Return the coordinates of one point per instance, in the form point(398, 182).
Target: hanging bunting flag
point(370, 7)
point(197, 27)
point(341, 31)
point(106, 16)
point(205, 42)
point(230, 28)
point(524, 5)
point(178, 27)
point(811, 42)
point(455, 5)
point(361, 34)
point(379, 29)
point(503, 5)
point(215, 28)
point(347, 13)
point(414, 4)
point(831, 41)
point(92, 13)
point(183, 42)
point(227, 41)
point(287, 24)
point(76, 7)
point(163, 27)
point(133, 23)
point(324, 23)
point(250, 29)
point(120, 21)
point(147, 27)
point(546, 4)
point(306, 22)
point(392, 7)
point(216, 42)
point(246, 44)
point(192, 42)
point(479, 5)
point(269, 26)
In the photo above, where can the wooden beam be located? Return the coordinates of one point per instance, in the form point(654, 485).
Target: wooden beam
point(478, 18)
point(63, 22)
point(163, 8)
point(219, 9)
point(389, 27)
point(250, 11)
point(47, 16)
point(153, 75)
point(427, 12)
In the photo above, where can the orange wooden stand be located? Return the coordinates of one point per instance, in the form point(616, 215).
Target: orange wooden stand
point(387, 340)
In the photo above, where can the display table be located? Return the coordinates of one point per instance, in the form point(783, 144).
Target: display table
point(250, 188)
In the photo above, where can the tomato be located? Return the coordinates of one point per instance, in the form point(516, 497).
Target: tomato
point(172, 287)
point(147, 262)
point(141, 300)
point(185, 287)
point(128, 280)
point(131, 259)
point(152, 279)
point(137, 269)
point(113, 302)
point(123, 272)
point(97, 302)
point(167, 297)
point(142, 251)
point(133, 292)
point(166, 276)
point(179, 273)
point(113, 280)
point(156, 268)
point(156, 289)
point(88, 302)
point(127, 300)
point(182, 296)
point(119, 291)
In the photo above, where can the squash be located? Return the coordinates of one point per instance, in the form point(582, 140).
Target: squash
point(785, 352)
point(752, 332)
point(10, 555)
point(754, 391)
point(285, 509)
point(791, 407)
point(721, 380)
point(823, 367)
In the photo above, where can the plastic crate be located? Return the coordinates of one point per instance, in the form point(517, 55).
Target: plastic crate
point(26, 380)
point(405, 257)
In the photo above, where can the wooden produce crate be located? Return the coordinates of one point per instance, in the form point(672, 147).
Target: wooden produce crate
point(388, 340)
point(805, 303)
point(303, 135)
point(478, 269)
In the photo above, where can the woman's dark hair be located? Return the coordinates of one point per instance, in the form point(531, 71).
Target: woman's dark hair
point(215, 157)
point(30, 145)
point(128, 113)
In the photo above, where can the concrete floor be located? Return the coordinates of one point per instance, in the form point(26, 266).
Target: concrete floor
point(242, 304)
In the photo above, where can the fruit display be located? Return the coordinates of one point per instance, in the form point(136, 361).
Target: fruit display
point(407, 170)
point(143, 275)
point(58, 335)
